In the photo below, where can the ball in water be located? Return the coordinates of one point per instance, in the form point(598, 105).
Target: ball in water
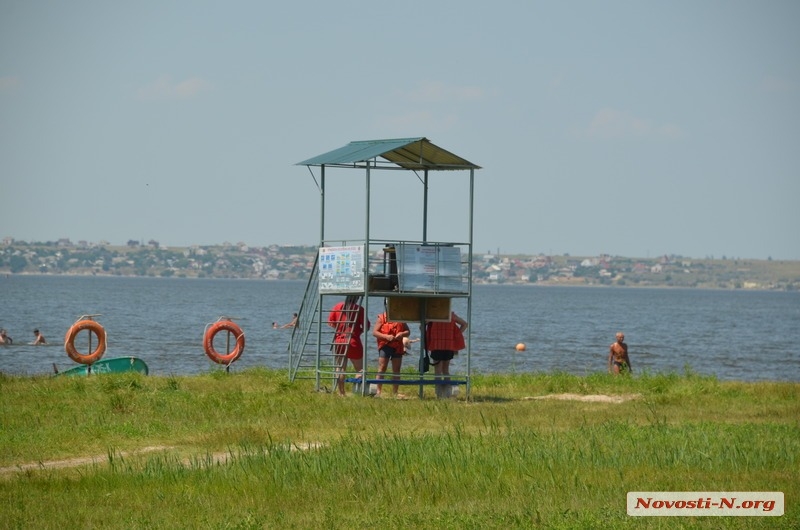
point(521, 346)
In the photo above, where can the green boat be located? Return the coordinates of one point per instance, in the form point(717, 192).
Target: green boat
point(117, 365)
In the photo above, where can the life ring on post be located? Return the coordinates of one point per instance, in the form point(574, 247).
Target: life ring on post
point(93, 328)
point(208, 342)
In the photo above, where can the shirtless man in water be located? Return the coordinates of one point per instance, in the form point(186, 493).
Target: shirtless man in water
point(618, 356)
point(39, 338)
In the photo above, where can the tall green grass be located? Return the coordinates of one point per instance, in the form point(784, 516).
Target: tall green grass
point(235, 453)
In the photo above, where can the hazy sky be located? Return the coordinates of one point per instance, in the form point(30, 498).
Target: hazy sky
point(632, 128)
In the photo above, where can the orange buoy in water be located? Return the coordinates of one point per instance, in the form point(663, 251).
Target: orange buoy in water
point(521, 346)
point(234, 331)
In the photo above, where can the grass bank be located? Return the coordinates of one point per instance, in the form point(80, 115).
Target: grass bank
point(250, 450)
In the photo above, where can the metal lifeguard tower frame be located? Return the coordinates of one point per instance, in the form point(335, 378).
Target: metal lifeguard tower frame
point(417, 278)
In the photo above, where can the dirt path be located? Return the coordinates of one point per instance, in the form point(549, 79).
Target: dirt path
point(216, 458)
point(593, 398)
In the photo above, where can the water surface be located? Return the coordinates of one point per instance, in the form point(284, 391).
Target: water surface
point(734, 335)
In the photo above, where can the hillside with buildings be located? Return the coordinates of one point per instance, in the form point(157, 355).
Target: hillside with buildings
point(274, 262)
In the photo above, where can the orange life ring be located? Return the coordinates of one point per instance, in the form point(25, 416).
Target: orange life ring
point(208, 342)
point(92, 327)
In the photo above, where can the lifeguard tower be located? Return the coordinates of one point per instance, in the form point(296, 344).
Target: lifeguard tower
point(417, 280)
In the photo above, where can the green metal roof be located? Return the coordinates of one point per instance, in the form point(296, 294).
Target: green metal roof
point(408, 153)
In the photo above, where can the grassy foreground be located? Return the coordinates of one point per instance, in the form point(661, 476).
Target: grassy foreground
point(251, 450)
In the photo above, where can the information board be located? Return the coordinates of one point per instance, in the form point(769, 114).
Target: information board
point(341, 269)
point(430, 268)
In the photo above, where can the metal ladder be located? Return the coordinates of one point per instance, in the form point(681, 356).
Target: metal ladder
point(311, 344)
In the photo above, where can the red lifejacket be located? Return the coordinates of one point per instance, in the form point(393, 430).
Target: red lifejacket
point(444, 336)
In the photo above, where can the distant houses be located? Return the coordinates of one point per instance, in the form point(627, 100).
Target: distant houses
point(277, 262)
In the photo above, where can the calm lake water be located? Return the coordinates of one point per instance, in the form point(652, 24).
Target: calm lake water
point(734, 335)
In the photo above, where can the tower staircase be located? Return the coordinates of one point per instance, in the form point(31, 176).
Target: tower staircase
point(311, 347)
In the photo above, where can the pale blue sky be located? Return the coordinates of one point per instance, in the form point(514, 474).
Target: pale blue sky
point(630, 128)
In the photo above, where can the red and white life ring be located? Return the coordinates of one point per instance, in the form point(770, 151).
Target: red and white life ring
point(93, 328)
point(208, 342)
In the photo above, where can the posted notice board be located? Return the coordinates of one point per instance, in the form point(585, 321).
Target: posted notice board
point(430, 268)
point(341, 269)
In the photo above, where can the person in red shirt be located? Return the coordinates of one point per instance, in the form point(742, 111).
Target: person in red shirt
point(444, 340)
point(390, 348)
point(347, 318)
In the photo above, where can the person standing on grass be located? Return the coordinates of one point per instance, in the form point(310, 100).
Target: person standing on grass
point(444, 340)
point(618, 360)
point(390, 348)
point(347, 319)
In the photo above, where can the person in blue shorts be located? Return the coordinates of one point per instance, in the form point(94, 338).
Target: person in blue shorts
point(390, 348)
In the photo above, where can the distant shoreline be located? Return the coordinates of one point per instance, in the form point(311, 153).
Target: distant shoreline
point(543, 285)
point(276, 263)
